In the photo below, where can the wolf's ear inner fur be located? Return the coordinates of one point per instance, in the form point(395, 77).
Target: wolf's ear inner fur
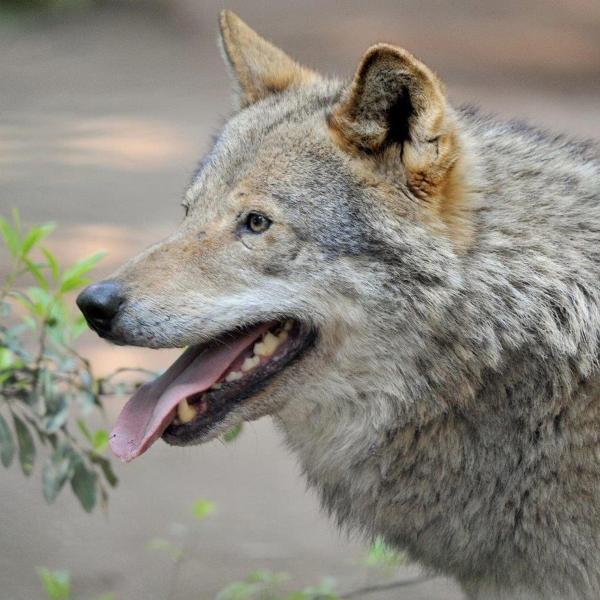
point(258, 67)
point(396, 101)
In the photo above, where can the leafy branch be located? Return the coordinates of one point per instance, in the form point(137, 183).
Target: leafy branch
point(47, 389)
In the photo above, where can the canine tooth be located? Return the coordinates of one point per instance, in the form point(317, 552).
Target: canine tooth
point(185, 412)
point(233, 376)
point(216, 386)
point(283, 335)
point(288, 325)
point(250, 363)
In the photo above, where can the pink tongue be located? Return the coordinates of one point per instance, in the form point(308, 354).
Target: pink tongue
point(151, 409)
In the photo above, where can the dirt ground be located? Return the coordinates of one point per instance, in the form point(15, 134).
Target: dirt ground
point(103, 116)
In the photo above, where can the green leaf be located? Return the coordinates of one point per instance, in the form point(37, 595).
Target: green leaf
point(36, 235)
point(57, 410)
point(323, 591)
point(83, 484)
point(56, 472)
point(68, 285)
point(7, 358)
point(16, 220)
point(41, 301)
point(21, 297)
point(103, 498)
point(46, 438)
point(84, 430)
point(72, 277)
point(89, 400)
point(52, 263)
point(265, 576)
point(106, 468)
point(37, 273)
point(381, 555)
point(4, 308)
point(203, 508)
point(26, 446)
point(11, 236)
point(238, 590)
point(7, 444)
point(57, 584)
point(233, 433)
point(100, 440)
point(165, 546)
point(43, 397)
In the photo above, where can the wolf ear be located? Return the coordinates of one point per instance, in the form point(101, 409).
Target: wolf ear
point(396, 101)
point(258, 68)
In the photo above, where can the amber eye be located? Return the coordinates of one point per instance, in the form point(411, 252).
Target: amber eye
point(257, 223)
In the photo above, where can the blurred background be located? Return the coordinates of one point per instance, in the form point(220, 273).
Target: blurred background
point(105, 109)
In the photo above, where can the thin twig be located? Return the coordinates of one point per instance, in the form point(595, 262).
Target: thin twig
point(82, 359)
point(371, 589)
point(40, 356)
point(122, 370)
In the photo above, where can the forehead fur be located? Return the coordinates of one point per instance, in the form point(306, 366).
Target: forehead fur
point(245, 135)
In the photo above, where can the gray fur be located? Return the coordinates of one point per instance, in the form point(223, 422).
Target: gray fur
point(452, 403)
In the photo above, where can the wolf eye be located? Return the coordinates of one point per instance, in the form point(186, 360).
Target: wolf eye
point(257, 223)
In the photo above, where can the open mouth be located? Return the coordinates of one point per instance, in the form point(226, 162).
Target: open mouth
point(205, 384)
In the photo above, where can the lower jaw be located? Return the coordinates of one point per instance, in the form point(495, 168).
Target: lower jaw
point(204, 428)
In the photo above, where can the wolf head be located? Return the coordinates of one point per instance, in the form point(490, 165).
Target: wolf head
point(319, 247)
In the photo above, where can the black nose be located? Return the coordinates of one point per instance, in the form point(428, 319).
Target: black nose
point(99, 303)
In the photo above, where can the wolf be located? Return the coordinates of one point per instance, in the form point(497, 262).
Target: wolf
point(411, 291)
